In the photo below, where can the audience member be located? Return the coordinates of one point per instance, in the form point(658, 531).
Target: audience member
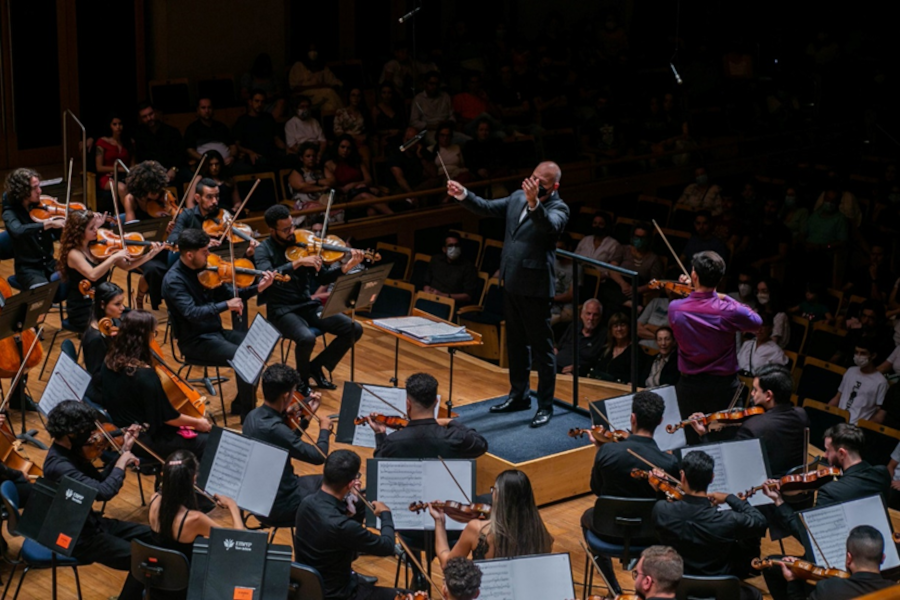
point(662, 369)
point(844, 200)
point(350, 176)
point(155, 140)
point(315, 80)
point(389, 116)
point(303, 127)
point(812, 307)
point(863, 387)
point(112, 148)
point(615, 363)
point(871, 329)
point(308, 182)
point(590, 340)
point(794, 215)
point(412, 168)
point(601, 245)
point(703, 239)
point(353, 119)
point(448, 155)
point(431, 107)
point(826, 227)
point(256, 136)
point(876, 280)
point(262, 77)
point(472, 104)
point(484, 154)
point(402, 72)
point(637, 256)
point(207, 134)
point(762, 350)
point(701, 195)
point(453, 275)
point(746, 287)
point(654, 316)
point(769, 302)
point(512, 100)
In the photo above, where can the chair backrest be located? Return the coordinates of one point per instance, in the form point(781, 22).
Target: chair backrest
point(490, 257)
point(819, 380)
point(834, 300)
point(284, 176)
point(159, 568)
point(821, 418)
point(722, 587)
point(68, 347)
point(398, 255)
point(590, 283)
point(799, 330)
point(419, 269)
point(7, 252)
point(306, 583)
point(493, 297)
point(439, 306)
point(823, 341)
point(10, 496)
point(394, 300)
point(626, 519)
point(880, 442)
point(485, 278)
point(266, 194)
point(853, 305)
point(792, 361)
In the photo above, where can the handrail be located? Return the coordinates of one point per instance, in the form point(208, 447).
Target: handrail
point(84, 149)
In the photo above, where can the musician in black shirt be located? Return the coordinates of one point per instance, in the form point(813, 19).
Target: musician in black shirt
point(32, 241)
point(206, 206)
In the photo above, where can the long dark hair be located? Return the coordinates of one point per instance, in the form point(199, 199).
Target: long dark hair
point(130, 349)
point(72, 238)
point(353, 158)
point(104, 293)
point(176, 490)
point(516, 524)
point(614, 320)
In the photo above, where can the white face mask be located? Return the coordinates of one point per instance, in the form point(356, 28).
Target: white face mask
point(860, 361)
point(454, 252)
point(744, 289)
point(762, 298)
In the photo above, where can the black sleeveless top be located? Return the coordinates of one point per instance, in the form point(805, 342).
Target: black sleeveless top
point(78, 306)
point(173, 544)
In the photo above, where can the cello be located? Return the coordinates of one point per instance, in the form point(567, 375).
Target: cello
point(181, 394)
point(10, 356)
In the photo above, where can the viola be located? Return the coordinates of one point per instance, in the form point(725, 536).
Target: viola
point(219, 270)
point(332, 249)
point(803, 482)
point(728, 417)
point(49, 208)
point(671, 491)
point(108, 243)
point(458, 511)
point(387, 421)
point(10, 356)
point(600, 434)
point(181, 394)
point(164, 206)
point(215, 226)
point(800, 568)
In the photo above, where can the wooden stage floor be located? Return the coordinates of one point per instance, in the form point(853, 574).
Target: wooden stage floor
point(473, 381)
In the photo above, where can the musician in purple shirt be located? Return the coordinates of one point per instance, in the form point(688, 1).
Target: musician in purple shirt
point(704, 325)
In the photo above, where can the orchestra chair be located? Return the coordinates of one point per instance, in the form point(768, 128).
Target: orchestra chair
point(306, 583)
point(439, 306)
point(819, 380)
point(398, 255)
point(159, 570)
point(824, 340)
point(853, 304)
point(487, 319)
point(471, 244)
point(286, 352)
point(821, 418)
point(793, 359)
point(834, 299)
point(650, 208)
point(32, 555)
point(799, 330)
point(419, 269)
point(629, 522)
point(490, 256)
point(720, 587)
point(880, 441)
point(394, 300)
point(485, 278)
point(263, 524)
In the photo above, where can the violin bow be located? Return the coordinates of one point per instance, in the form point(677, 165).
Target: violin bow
point(312, 441)
point(109, 438)
point(805, 450)
point(596, 566)
point(197, 489)
point(233, 219)
point(377, 397)
point(601, 415)
point(813, 538)
point(189, 188)
point(453, 477)
point(672, 250)
point(647, 462)
point(116, 212)
point(69, 186)
point(737, 395)
point(325, 223)
point(15, 381)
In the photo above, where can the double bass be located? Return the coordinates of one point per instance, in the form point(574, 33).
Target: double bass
point(10, 357)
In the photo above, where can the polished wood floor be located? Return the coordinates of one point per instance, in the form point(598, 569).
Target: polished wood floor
point(473, 381)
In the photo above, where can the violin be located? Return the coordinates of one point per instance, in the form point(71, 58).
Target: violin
point(387, 421)
point(108, 243)
point(800, 568)
point(412, 596)
point(103, 438)
point(215, 226)
point(332, 249)
point(297, 409)
point(181, 394)
point(803, 482)
point(676, 287)
point(617, 597)
point(727, 417)
point(10, 356)
point(49, 208)
point(218, 271)
point(600, 434)
point(457, 511)
point(671, 491)
point(164, 206)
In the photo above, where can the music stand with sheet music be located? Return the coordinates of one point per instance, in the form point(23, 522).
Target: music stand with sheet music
point(354, 291)
point(24, 311)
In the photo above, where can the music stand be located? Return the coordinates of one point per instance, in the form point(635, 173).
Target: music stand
point(153, 230)
point(22, 312)
point(352, 291)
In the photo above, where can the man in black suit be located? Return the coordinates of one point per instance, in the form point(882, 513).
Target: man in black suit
point(780, 427)
point(865, 553)
point(425, 436)
point(535, 217)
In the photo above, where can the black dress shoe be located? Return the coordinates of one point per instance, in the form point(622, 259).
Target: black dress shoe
point(511, 405)
point(304, 389)
point(541, 417)
point(367, 578)
point(320, 381)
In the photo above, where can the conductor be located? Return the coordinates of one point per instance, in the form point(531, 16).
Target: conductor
point(535, 217)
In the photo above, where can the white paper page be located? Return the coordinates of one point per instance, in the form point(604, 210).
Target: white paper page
point(545, 577)
point(400, 483)
point(398, 323)
point(739, 466)
point(618, 411)
point(363, 435)
point(247, 471)
point(68, 381)
point(250, 357)
point(831, 526)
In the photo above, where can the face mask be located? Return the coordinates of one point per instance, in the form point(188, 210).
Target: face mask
point(312, 54)
point(702, 179)
point(542, 191)
point(744, 289)
point(454, 252)
point(860, 361)
point(790, 201)
point(762, 298)
point(303, 114)
point(639, 243)
point(828, 207)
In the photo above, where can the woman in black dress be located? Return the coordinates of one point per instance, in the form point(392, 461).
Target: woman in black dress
point(615, 361)
point(109, 303)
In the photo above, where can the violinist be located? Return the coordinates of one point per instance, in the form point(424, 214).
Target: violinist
point(103, 540)
point(267, 424)
point(780, 427)
point(290, 307)
point(205, 195)
point(658, 573)
point(865, 554)
point(77, 264)
point(109, 303)
point(425, 436)
point(462, 579)
point(515, 527)
point(133, 393)
point(32, 240)
point(709, 540)
point(328, 538)
point(704, 325)
point(195, 311)
point(611, 474)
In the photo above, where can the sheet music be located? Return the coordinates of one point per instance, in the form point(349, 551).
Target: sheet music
point(68, 381)
point(247, 471)
point(832, 524)
point(363, 435)
point(618, 411)
point(402, 482)
point(543, 577)
point(251, 356)
point(739, 466)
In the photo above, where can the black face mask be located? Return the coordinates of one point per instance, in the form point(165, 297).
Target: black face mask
point(542, 191)
point(601, 231)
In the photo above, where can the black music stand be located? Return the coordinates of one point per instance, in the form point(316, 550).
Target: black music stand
point(21, 312)
point(353, 291)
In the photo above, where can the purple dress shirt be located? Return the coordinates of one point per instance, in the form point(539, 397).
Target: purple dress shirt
point(704, 327)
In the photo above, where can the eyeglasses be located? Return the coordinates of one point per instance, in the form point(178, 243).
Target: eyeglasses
point(287, 230)
point(635, 574)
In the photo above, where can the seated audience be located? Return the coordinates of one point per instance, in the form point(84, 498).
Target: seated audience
point(303, 127)
point(703, 240)
point(591, 340)
point(353, 120)
point(256, 136)
point(862, 388)
point(314, 79)
point(308, 183)
point(431, 107)
point(637, 256)
point(484, 154)
point(794, 215)
point(114, 147)
point(812, 308)
point(261, 76)
point(350, 176)
point(472, 104)
point(448, 155)
point(453, 275)
point(874, 281)
point(654, 316)
point(389, 116)
point(614, 363)
point(207, 134)
point(662, 369)
point(402, 72)
point(844, 200)
point(413, 168)
point(601, 245)
point(155, 140)
point(701, 195)
point(761, 350)
point(769, 302)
